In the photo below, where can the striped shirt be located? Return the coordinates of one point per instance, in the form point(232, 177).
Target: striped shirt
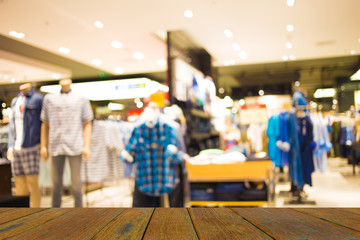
point(155, 173)
point(66, 113)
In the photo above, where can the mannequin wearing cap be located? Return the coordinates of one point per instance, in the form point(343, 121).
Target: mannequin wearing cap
point(65, 135)
point(24, 142)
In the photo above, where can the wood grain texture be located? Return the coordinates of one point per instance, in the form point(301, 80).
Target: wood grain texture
point(346, 219)
point(351, 210)
point(290, 224)
point(15, 213)
point(222, 223)
point(81, 223)
point(5, 209)
point(130, 224)
point(23, 224)
point(170, 223)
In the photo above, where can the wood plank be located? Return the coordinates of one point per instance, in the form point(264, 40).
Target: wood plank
point(284, 223)
point(228, 203)
point(23, 224)
point(81, 223)
point(250, 170)
point(336, 216)
point(170, 223)
point(130, 224)
point(15, 213)
point(5, 209)
point(222, 223)
point(351, 210)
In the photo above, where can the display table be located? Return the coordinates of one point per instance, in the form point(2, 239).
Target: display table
point(180, 223)
point(248, 171)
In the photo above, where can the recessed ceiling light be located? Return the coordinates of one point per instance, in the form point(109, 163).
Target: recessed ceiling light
point(188, 13)
point(261, 92)
point(236, 46)
point(242, 55)
point(96, 62)
point(290, 3)
point(13, 80)
point(119, 70)
point(116, 44)
point(353, 52)
point(228, 33)
point(285, 58)
point(229, 62)
point(64, 50)
point(288, 45)
point(138, 55)
point(290, 28)
point(161, 62)
point(6, 77)
point(98, 24)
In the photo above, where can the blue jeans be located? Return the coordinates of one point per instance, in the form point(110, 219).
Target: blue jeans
point(57, 171)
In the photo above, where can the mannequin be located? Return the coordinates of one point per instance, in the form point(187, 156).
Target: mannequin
point(66, 134)
point(24, 142)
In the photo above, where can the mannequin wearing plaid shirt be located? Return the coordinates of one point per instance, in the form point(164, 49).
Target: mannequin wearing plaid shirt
point(153, 149)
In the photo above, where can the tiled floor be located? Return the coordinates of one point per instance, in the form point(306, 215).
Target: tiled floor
point(337, 187)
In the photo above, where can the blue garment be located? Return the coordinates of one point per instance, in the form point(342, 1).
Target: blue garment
point(155, 172)
point(284, 138)
point(307, 145)
point(273, 132)
point(32, 122)
point(295, 162)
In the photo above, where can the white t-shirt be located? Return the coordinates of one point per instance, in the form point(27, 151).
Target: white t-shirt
point(19, 121)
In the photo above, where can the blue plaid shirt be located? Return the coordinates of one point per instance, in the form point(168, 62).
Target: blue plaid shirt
point(155, 173)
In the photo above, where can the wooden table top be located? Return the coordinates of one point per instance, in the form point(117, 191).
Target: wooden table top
point(180, 223)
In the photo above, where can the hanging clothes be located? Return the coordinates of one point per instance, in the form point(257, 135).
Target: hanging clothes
point(295, 160)
point(307, 145)
point(149, 146)
point(323, 144)
point(273, 134)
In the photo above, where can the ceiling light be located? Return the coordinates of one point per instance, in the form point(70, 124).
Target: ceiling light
point(290, 28)
point(113, 89)
point(64, 50)
point(98, 24)
point(355, 76)
point(119, 70)
point(353, 52)
point(116, 106)
point(242, 102)
point(261, 92)
point(325, 93)
point(228, 102)
point(16, 34)
point(221, 90)
point(161, 62)
point(285, 58)
point(116, 44)
point(96, 62)
point(243, 55)
point(139, 104)
point(228, 33)
point(13, 80)
point(290, 3)
point(138, 55)
point(188, 13)
point(292, 57)
point(288, 45)
point(6, 77)
point(236, 46)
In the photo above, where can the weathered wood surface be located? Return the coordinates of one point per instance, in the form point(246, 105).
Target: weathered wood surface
point(180, 223)
point(170, 223)
point(285, 223)
point(222, 223)
point(337, 216)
